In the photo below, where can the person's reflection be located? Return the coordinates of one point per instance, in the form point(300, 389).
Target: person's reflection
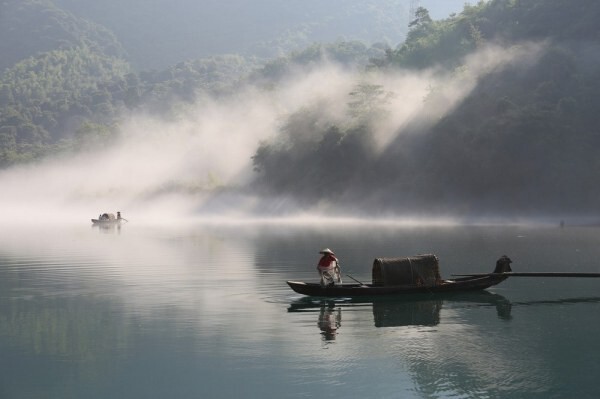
point(330, 319)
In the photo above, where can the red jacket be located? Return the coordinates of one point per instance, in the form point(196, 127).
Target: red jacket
point(327, 260)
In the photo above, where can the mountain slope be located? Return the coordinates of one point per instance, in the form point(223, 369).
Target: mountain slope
point(522, 138)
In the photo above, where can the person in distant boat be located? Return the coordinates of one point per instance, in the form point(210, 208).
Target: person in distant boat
point(119, 217)
point(329, 268)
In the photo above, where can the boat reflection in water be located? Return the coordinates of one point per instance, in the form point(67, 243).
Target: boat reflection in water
point(426, 312)
point(393, 312)
point(107, 227)
point(400, 314)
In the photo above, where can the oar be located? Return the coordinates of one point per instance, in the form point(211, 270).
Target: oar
point(531, 274)
point(359, 282)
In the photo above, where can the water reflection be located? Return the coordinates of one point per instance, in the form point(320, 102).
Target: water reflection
point(330, 319)
point(79, 329)
point(403, 313)
point(566, 301)
point(108, 227)
point(398, 312)
point(415, 311)
point(113, 311)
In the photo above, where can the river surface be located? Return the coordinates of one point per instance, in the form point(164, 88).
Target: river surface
point(203, 311)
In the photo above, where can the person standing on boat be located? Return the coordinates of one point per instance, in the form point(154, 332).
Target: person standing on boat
point(329, 268)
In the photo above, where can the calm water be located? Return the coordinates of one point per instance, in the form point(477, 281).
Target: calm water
point(204, 312)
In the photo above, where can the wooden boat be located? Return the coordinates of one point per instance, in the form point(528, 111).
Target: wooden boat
point(106, 222)
point(410, 277)
point(462, 284)
point(108, 219)
point(407, 276)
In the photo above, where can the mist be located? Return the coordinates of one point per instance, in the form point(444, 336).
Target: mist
point(199, 164)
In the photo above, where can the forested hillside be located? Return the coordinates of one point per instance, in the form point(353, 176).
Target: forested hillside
point(491, 109)
point(67, 81)
point(52, 67)
point(525, 138)
point(28, 28)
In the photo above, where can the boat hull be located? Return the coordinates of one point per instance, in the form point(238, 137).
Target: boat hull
point(366, 290)
point(106, 222)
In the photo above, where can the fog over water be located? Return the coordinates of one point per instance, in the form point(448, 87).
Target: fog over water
point(172, 170)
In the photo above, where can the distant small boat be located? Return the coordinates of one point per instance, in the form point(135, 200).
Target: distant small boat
point(108, 219)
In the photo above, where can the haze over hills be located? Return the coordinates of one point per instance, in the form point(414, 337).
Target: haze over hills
point(492, 110)
point(159, 33)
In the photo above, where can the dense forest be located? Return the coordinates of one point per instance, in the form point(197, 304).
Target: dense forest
point(524, 139)
point(66, 83)
point(520, 136)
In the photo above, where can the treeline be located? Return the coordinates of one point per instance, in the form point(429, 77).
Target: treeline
point(74, 83)
point(68, 99)
point(523, 140)
point(447, 41)
point(351, 54)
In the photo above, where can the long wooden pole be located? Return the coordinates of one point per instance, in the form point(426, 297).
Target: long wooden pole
point(359, 282)
point(532, 274)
